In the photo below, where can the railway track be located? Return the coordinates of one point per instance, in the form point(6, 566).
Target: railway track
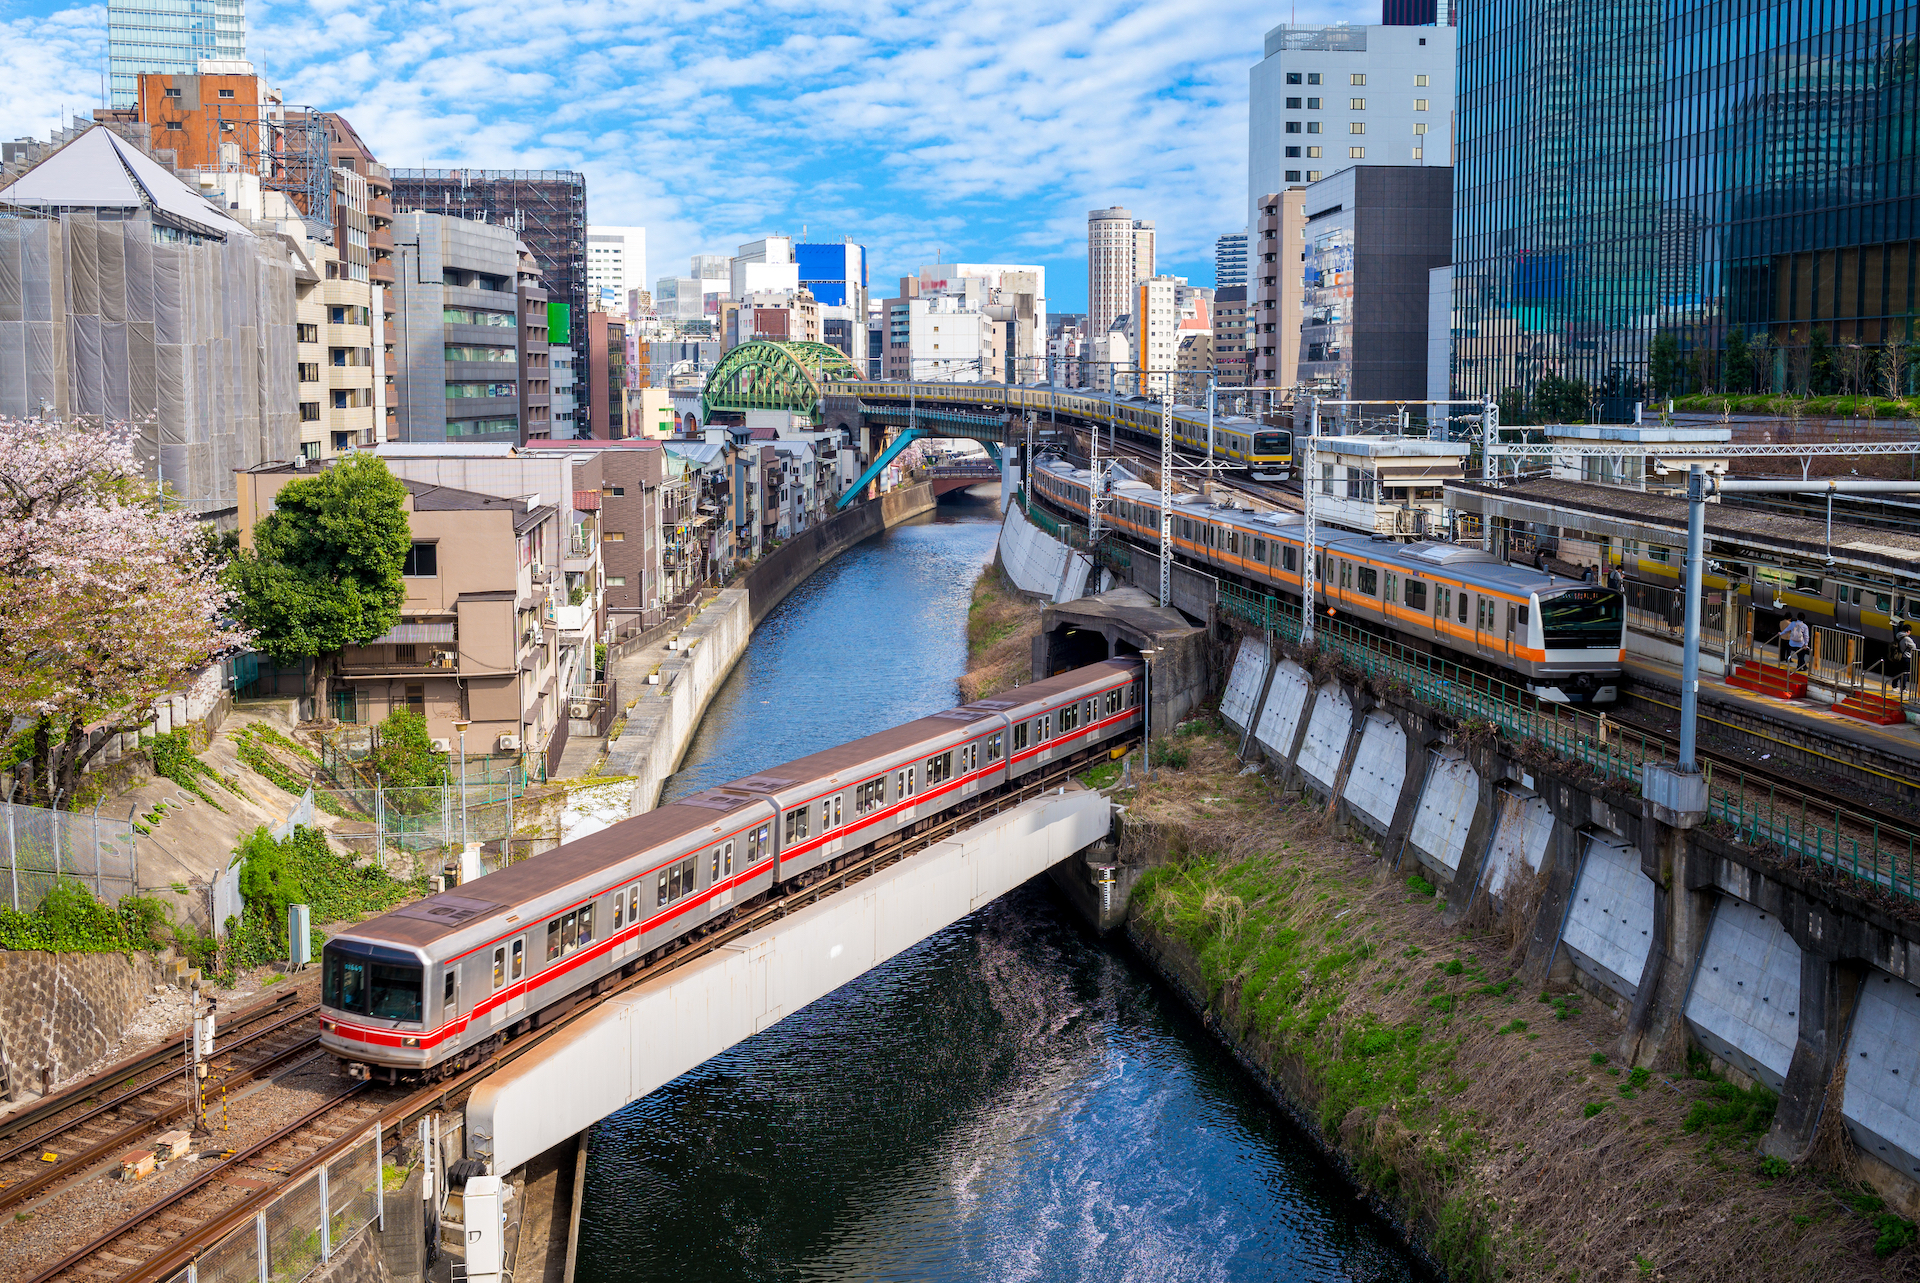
point(157, 1241)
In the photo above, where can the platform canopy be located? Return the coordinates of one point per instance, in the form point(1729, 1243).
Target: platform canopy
point(773, 374)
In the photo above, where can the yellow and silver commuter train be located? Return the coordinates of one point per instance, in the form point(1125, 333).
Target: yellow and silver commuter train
point(1561, 639)
point(1266, 452)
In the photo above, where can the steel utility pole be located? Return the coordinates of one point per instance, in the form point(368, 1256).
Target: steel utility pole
point(1309, 552)
point(1166, 504)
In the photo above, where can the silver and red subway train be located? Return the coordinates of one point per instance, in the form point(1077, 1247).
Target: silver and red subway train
point(437, 985)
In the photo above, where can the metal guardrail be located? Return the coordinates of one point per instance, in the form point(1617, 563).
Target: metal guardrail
point(1757, 810)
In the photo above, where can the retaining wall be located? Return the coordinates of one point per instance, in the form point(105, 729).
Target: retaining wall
point(788, 566)
point(61, 1012)
point(1039, 563)
point(1798, 980)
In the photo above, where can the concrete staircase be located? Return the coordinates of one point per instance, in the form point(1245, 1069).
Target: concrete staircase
point(175, 970)
point(1881, 710)
point(1768, 679)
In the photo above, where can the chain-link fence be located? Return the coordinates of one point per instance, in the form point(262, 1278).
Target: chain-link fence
point(425, 821)
point(305, 1226)
point(41, 847)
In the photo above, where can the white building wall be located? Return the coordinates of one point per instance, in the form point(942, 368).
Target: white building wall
point(616, 266)
point(1439, 333)
point(1392, 59)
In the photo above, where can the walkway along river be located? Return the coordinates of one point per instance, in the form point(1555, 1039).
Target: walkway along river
point(1013, 1099)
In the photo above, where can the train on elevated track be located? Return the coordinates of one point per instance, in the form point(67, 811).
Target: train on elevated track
point(438, 985)
point(1561, 639)
point(1264, 451)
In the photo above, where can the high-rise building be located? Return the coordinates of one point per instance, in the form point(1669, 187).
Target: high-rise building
point(1273, 308)
point(1419, 13)
point(836, 275)
point(1373, 233)
point(173, 36)
point(1156, 331)
point(1230, 336)
point(1324, 98)
point(1012, 293)
point(616, 266)
point(1120, 251)
point(546, 208)
point(1230, 261)
point(1740, 190)
point(763, 265)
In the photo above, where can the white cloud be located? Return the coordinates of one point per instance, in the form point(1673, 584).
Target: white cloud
point(988, 127)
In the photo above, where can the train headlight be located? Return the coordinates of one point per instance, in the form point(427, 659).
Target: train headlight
point(409, 1042)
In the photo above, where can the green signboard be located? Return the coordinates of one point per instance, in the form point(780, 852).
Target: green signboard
point(560, 324)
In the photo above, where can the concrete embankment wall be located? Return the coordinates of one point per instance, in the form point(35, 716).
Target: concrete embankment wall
point(1039, 563)
point(1788, 976)
point(61, 1012)
point(664, 717)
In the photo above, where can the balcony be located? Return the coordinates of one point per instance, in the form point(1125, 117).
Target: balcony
point(575, 623)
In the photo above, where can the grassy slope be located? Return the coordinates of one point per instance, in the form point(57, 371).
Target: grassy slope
point(1486, 1113)
point(1001, 625)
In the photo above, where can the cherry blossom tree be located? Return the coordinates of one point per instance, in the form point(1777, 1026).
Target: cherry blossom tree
point(112, 599)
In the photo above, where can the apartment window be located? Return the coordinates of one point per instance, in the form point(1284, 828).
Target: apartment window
point(1293, 104)
point(616, 581)
point(1419, 104)
point(307, 333)
point(1419, 129)
point(173, 93)
point(1293, 78)
point(175, 124)
point(1293, 126)
point(1313, 176)
point(1293, 175)
point(618, 492)
point(1293, 153)
point(1356, 104)
point(1313, 77)
point(309, 371)
point(1313, 153)
point(1356, 153)
point(1419, 153)
point(226, 93)
point(614, 536)
point(471, 391)
point(423, 561)
point(309, 412)
point(1313, 126)
point(1420, 82)
point(1357, 127)
point(1313, 104)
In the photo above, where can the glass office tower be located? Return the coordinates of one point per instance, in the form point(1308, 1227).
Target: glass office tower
point(170, 36)
point(1736, 175)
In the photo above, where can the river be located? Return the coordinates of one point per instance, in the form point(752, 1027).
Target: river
point(1013, 1099)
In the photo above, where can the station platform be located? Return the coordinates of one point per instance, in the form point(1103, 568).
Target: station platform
point(1801, 724)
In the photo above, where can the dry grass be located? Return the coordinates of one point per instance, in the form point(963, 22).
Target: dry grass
point(1002, 622)
point(1459, 1097)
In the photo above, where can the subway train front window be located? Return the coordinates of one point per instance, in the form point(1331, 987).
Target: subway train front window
point(1582, 618)
point(367, 987)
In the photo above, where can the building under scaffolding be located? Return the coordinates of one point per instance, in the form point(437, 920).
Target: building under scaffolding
point(547, 207)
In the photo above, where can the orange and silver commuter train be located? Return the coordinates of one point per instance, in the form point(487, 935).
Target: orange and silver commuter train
point(1562, 639)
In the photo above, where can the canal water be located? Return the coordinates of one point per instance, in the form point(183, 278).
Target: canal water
point(1013, 1099)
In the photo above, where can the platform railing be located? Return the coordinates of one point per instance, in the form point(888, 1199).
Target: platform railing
point(1758, 811)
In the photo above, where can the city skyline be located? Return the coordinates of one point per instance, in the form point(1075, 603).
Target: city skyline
point(692, 125)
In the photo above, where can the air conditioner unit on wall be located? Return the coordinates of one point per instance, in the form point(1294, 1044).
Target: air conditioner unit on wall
point(442, 746)
point(580, 709)
point(509, 743)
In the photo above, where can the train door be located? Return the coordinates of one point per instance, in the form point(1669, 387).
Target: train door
point(516, 972)
point(722, 859)
point(1515, 629)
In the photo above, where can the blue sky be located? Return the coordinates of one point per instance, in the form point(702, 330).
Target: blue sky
point(987, 128)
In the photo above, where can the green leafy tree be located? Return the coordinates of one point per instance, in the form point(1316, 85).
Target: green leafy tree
point(1821, 374)
point(1663, 365)
point(405, 756)
point(1734, 364)
point(325, 567)
point(268, 880)
point(1558, 399)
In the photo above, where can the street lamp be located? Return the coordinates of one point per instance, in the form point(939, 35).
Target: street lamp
point(460, 728)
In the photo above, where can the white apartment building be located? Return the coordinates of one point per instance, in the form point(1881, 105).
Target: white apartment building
point(616, 266)
point(1326, 98)
point(763, 266)
point(1014, 294)
point(1156, 329)
point(939, 337)
point(1120, 251)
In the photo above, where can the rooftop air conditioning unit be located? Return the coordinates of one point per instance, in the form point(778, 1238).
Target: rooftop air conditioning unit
point(442, 746)
point(509, 743)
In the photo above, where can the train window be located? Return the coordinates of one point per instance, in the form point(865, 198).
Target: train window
point(1019, 737)
point(448, 989)
point(1290, 558)
point(1259, 549)
point(1093, 712)
point(1523, 616)
point(1113, 700)
point(1656, 552)
point(1393, 586)
point(993, 747)
point(553, 927)
point(1233, 541)
point(1513, 617)
point(673, 883)
point(1069, 718)
point(520, 953)
point(569, 933)
point(660, 899)
point(499, 967)
point(586, 925)
point(1463, 607)
point(1416, 595)
point(756, 843)
point(1369, 581)
point(869, 796)
point(1043, 729)
point(1442, 601)
point(1882, 602)
point(939, 768)
point(727, 860)
point(1346, 574)
point(689, 875)
point(835, 801)
point(796, 823)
